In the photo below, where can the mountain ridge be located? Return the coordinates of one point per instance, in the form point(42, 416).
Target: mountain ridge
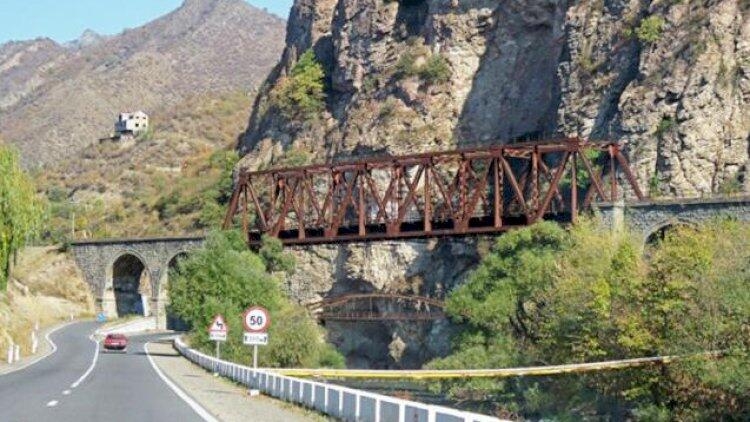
point(61, 100)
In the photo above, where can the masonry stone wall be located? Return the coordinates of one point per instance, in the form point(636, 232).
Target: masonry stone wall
point(96, 260)
point(646, 219)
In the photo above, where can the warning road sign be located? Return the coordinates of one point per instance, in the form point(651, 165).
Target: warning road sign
point(218, 329)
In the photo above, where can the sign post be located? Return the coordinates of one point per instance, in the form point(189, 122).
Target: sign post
point(217, 332)
point(256, 320)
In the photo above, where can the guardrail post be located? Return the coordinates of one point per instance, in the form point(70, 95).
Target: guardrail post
point(401, 412)
point(377, 409)
point(357, 410)
point(10, 353)
point(17, 353)
point(34, 343)
point(431, 416)
point(312, 395)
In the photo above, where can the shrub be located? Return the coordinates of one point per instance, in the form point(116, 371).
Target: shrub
point(665, 125)
point(650, 29)
point(300, 96)
point(436, 70)
point(406, 66)
point(225, 277)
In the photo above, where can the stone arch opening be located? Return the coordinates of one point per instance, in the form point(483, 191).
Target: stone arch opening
point(174, 322)
point(657, 235)
point(131, 285)
point(175, 261)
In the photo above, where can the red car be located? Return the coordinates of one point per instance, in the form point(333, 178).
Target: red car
point(115, 342)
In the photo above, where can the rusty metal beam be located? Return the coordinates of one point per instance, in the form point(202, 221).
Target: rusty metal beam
point(429, 194)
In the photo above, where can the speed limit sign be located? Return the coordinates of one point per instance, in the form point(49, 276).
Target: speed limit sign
point(256, 319)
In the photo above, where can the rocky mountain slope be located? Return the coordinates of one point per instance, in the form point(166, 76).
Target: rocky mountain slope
point(56, 100)
point(670, 79)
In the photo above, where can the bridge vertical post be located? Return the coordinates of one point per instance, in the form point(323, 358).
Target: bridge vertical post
point(497, 186)
point(612, 174)
point(301, 207)
point(361, 213)
point(427, 198)
point(245, 228)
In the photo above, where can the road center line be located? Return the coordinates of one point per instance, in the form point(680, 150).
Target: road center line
point(53, 403)
point(91, 368)
point(203, 413)
point(66, 392)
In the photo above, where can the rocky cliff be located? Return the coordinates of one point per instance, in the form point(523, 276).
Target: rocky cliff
point(669, 79)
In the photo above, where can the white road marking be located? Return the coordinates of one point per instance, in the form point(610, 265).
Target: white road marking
point(66, 392)
point(91, 368)
point(203, 413)
point(53, 403)
point(39, 359)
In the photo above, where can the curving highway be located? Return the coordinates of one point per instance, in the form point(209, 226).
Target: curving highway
point(80, 383)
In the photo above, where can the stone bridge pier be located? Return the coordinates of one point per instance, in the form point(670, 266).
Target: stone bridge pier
point(130, 276)
point(650, 220)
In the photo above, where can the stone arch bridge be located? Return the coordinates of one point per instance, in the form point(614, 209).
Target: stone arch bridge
point(129, 276)
point(650, 218)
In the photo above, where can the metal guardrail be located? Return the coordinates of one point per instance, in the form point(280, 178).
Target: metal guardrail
point(343, 403)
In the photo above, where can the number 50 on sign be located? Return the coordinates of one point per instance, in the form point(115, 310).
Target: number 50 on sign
point(256, 320)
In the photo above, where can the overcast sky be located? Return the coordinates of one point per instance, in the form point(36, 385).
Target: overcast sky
point(65, 20)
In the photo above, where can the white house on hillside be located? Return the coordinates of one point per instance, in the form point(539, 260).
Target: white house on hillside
point(131, 123)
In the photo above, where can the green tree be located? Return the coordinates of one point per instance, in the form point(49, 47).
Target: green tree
point(225, 278)
point(545, 295)
point(20, 210)
point(650, 29)
point(301, 94)
point(273, 255)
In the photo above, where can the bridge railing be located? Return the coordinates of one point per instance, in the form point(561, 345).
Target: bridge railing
point(340, 402)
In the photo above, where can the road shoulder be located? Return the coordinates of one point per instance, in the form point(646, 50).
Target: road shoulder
point(226, 400)
point(46, 348)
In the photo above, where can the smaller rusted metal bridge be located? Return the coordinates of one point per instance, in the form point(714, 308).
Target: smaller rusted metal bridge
point(469, 191)
point(378, 307)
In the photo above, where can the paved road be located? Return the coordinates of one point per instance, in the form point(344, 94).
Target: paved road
point(120, 387)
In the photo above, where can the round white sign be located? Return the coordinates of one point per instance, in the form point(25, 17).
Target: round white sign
point(256, 319)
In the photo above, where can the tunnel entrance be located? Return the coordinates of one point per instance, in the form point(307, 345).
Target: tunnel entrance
point(129, 280)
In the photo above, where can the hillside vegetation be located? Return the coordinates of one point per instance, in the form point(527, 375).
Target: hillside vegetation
point(226, 278)
point(45, 287)
point(548, 296)
point(174, 180)
point(56, 101)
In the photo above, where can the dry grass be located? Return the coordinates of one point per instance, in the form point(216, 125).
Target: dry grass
point(118, 190)
point(46, 287)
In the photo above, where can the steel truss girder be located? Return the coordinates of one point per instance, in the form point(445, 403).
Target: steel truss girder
point(469, 191)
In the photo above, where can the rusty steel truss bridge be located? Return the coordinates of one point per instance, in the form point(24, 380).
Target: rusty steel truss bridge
point(468, 191)
point(378, 307)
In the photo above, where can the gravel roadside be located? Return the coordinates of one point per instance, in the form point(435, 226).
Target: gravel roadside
point(225, 400)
